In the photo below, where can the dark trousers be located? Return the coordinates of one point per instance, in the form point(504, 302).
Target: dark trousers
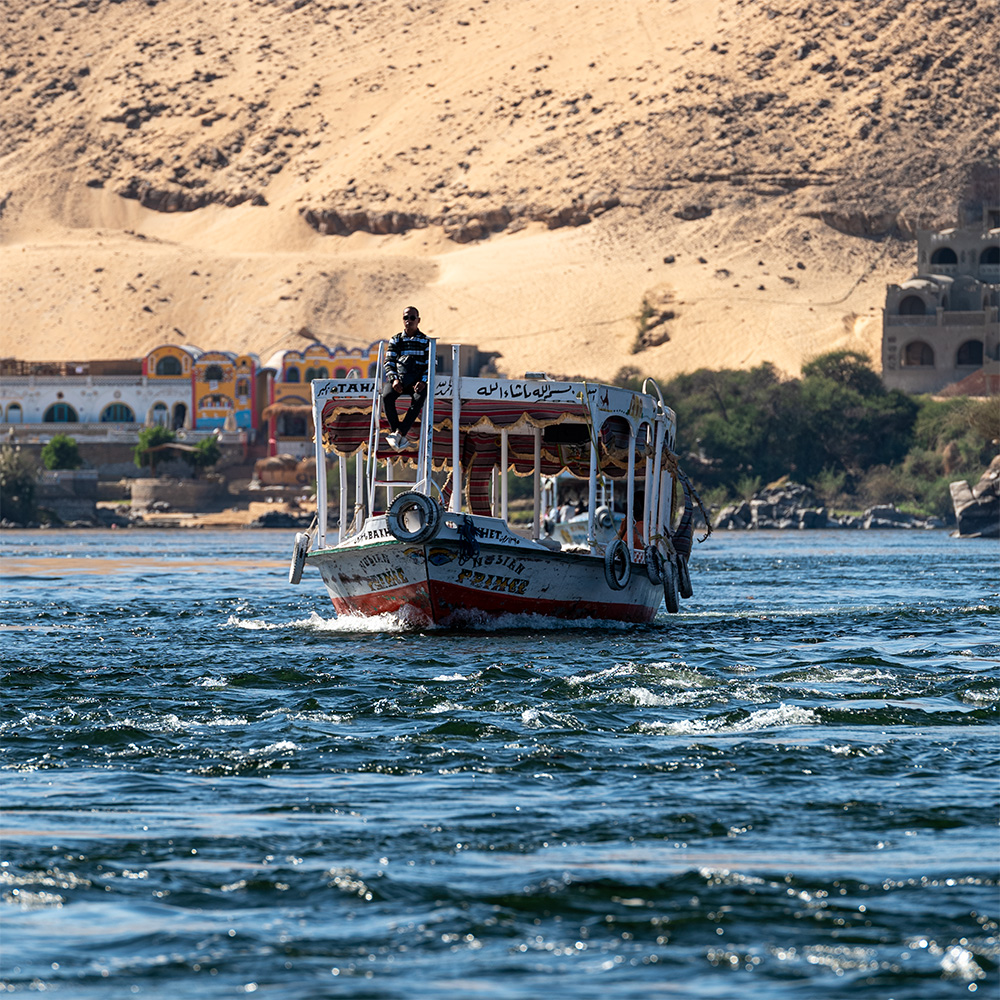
point(389, 397)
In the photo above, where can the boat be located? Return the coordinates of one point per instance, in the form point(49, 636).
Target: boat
point(426, 532)
point(564, 524)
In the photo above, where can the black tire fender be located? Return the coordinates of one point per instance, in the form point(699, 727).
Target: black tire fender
point(414, 517)
point(670, 596)
point(617, 565)
point(654, 565)
point(684, 578)
point(299, 550)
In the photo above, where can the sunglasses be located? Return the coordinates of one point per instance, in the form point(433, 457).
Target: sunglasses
point(410, 316)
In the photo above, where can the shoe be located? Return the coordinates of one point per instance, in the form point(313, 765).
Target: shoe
point(395, 440)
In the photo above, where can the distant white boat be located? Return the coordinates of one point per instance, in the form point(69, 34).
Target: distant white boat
point(437, 554)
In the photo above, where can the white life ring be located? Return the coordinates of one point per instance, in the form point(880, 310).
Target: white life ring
point(684, 578)
point(617, 565)
point(654, 565)
point(414, 517)
point(670, 597)
point(603, 518)
point(299, 550)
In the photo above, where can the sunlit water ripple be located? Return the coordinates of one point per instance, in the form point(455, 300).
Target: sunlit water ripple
point(212, 787)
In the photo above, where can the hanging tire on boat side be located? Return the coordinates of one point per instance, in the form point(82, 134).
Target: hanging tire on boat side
point(617, 565)
point(414, 517)
point(603, 518)
point(684, 578)
point(299, 550)
point(670, 597)
point(654, 565)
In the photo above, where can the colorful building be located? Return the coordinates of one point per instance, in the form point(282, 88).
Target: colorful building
point(181, 387)
point(288, 412)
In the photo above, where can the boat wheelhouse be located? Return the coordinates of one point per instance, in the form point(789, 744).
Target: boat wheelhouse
point(425, 532)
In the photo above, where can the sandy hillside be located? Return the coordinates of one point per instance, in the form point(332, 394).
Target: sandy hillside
point(534, 176)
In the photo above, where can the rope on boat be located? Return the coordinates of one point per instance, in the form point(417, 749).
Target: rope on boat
point(468, 544)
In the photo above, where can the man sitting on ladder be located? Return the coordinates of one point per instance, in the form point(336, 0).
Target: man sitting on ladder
point(405, 371)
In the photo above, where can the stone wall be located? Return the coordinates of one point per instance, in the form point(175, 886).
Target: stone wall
point(180, 494)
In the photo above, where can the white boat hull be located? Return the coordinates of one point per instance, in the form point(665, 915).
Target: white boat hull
point(445, 581)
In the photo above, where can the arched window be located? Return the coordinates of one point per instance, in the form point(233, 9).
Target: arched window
point(917, 354)
point(312, 373)
point(60, 413)
point(373, 369)
point(117, 413)
point(15, 415)
point(944, 255)
point(169, 366)
point(213, 373)
point(970, 354)
point(292, 375)
point(991, 255)
point(340, 373)
point(180, 415)
point(243, 387)
point(160, 415)
point(912, 305)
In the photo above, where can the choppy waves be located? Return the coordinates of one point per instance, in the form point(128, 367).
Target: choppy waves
point(212, 791)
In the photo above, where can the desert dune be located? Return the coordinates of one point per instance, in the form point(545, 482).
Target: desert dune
point(579, 187)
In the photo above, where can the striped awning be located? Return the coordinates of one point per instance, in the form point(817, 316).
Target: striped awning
point(346, 428)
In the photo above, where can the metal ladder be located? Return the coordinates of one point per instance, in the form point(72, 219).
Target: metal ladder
point(423, 481)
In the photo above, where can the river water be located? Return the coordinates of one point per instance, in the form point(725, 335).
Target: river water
point(212, 787)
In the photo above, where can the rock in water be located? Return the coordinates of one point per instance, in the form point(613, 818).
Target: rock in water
point(977, 508)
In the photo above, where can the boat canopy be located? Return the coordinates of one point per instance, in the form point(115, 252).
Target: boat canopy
point(566, 413)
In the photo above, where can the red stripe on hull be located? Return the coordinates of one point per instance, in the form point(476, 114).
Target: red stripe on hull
point(447, 603)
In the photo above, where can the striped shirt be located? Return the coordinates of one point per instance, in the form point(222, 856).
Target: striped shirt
point(406, 358)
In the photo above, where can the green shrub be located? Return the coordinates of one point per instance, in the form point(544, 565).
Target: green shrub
point(830, 486)
point(150, 438)
point(61, 452)
point(206, 453)
point(17, 485)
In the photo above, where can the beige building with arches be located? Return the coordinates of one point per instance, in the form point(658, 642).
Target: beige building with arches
point(942, 325)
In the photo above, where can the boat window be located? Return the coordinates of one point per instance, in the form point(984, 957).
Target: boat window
point(566, 434)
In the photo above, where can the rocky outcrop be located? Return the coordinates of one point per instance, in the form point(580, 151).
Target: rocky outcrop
point(977, 508)
point(792, 505)
point(161, 199)
point(463, 227)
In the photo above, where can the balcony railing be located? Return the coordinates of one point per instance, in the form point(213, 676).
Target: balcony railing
point(892, 320)
point(979, 317)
